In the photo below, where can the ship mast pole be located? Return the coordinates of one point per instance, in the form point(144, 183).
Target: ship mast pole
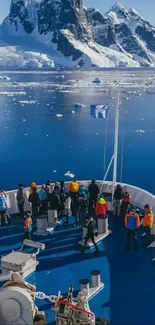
point(115, 145)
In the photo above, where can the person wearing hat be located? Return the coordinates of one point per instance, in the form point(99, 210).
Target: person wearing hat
point(148, 223)
point(91, 233)
point(101, 209)
point(132, 223)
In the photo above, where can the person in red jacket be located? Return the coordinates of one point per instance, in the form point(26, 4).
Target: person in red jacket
point(125, 204)
point(101, 208)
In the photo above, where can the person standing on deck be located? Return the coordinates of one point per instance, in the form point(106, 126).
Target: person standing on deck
point(83, 209)
point(132, 223)
point(67, 207)
point(93, 191)
point(43, 199)
point(48, 186)
point(62, 196)
point(91, 230)
point(118, 196)
point(54, 202)
point(33, 187)
point(28, 225)
point(20, 200)
point(148, 223)
point(73, 190)
point(125, 204)
point(35, 201)
point(3, 206)
point(101, 209)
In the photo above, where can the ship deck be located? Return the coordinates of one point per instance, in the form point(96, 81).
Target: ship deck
point(129, 278)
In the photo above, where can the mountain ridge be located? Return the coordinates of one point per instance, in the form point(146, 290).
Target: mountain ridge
point(73, 35)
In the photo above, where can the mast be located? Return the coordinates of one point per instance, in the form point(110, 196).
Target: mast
point(116, 144)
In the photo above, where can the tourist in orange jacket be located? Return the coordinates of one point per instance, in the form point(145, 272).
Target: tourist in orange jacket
point(132, 223)
point(148, 223)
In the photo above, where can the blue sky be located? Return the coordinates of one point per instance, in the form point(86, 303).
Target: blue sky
point(145, 7)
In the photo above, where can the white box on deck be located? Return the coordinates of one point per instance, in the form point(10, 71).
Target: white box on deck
point(20, 262)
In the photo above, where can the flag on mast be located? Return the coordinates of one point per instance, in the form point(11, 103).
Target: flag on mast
point(99, 111)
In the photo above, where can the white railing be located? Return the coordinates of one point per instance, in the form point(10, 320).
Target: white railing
point(139, 196)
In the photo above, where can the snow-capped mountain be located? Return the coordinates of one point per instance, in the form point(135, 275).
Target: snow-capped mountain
point(71, 35)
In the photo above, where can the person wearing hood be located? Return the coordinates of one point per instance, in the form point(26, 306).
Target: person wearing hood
point(20, 199)
point(148, 223)
point(125, 204)
point(83, 191)
point(28, 225)
point(118, 196)
point(33, 187)
point(101, 208)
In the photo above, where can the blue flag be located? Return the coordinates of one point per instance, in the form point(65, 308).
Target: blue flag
point(99, 111)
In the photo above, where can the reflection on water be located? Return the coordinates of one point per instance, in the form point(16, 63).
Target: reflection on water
point(45, 132)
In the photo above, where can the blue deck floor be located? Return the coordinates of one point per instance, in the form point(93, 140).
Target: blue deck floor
point(129, 294)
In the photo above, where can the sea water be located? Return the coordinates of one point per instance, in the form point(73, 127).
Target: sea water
point(46, 128)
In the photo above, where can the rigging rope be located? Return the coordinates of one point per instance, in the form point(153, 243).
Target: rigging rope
point(105, 144)
point(122, 147)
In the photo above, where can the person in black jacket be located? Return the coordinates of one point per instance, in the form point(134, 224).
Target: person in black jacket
point(93, 191)
point(54, 202)
point(35, 202)
point(118, 196)
point(90, 234)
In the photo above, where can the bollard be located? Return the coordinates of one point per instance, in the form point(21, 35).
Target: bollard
point(41, 225)
point(52, 217)
point(96, 278)
point(84, 284)
point(102, 225)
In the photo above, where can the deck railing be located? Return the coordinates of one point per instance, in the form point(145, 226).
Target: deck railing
point(139, 196)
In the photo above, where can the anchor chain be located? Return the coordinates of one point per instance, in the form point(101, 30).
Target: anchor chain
point(42, 296)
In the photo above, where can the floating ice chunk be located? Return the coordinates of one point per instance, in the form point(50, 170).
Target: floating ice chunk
point(54, 171)
point(78, 105)
point(69, 174)
point(96, 81)
point(96, 133)
point(59, 115)
point(73, 112)
point(23, 102)
point(140, 131)
point(47, 135)
point(25, 134)
point(15, 93)
point(24, 120)
point(4, 78)
point(142, 119)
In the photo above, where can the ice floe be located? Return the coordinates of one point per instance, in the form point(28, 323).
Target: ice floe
point(78, 105)
point(59, 115)
point(69, 174)
point(96, 81)
point(4, 78)
point(15, 93)
point(27, 102)
point(140, 131)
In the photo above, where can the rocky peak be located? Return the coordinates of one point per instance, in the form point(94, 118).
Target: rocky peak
point(119, 10)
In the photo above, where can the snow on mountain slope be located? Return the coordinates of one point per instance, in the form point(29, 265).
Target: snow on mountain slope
point(12, 57)
point(73, 35)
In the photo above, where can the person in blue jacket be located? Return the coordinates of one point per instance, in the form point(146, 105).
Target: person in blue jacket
point(83, 190)
point(43, 199)
point(3, 207)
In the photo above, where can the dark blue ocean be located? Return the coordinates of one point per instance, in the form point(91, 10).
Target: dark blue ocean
point(36, 145)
